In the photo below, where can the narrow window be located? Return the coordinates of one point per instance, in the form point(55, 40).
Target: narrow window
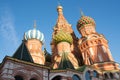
point(111, 76)
point(95, 73)
point(87, 75)
point(106, 76)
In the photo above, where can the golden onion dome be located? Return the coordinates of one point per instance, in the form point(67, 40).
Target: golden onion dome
point(85, 20)
point(59, 7)
point(63, 37)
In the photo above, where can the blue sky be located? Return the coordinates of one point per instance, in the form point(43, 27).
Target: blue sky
point(17, 17)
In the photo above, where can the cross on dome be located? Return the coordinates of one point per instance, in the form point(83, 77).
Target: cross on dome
point(34, 34)
point(81, 12)
point(34, 24)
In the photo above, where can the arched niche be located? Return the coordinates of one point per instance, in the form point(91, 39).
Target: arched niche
point(106, 76)
point(57, 78)
point(33, 79)
point(18, 77)
point(111, 76)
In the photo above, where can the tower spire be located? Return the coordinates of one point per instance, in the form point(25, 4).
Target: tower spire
point(34, 24)
point(61, 21)
point(59, 8)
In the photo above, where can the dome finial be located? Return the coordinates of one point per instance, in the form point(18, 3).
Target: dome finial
point(59, 8)
point(34, 24)
point(81, 12)
point(34, 34)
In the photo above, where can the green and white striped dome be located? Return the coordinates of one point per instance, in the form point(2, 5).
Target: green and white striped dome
point(63, 37)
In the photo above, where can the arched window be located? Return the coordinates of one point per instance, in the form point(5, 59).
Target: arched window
point(95, 74)
point(18, 77)
point(111, 76)
point(87, 75)
point(75, 77)
point(33, 79)
point(106, 76)
point(57, 78)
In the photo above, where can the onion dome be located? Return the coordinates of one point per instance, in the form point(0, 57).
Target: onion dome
point(63, 37)
point(34, 34)
point(85, 20)
point(59, 8)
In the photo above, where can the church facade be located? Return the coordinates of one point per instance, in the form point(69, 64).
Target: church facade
point(72, 58)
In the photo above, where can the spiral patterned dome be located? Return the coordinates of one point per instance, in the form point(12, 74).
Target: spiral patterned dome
point(34, 34)
point(85, 20)
point(63, 36)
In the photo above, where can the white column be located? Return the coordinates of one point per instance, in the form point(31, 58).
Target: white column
point(104, 49)
point(91, 51)
point(100, 57)
point(110, 55)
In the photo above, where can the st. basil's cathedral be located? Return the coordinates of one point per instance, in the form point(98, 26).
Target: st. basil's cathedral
point(71, 58)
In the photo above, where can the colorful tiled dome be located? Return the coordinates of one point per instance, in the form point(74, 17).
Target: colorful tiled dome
point(85, 20)
point(63, 36)
point(34, 34)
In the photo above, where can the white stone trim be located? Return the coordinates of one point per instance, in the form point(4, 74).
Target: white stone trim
point(91, 51)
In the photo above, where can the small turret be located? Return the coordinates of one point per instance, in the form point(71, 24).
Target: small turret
point(34, 39)
point(93, 46)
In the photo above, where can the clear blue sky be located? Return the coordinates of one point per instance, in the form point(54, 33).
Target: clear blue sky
point(17, 16)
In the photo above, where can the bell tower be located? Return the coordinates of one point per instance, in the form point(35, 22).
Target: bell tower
point(93, 46)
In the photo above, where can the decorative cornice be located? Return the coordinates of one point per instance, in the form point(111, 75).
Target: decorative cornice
point(23, 62)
